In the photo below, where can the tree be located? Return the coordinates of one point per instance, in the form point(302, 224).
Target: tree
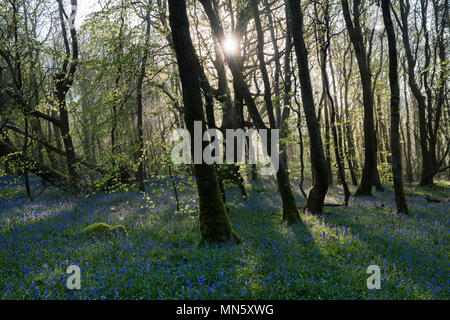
point(325, 39)
point(395, 110)
point(369, 172)
point(140, 80)
point(63, 81)
point(290, 211)
point(316, 196)
point(429, 119)
point(214, 223)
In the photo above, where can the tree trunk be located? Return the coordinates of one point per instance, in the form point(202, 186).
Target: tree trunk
point(395, 110)
point(214, 223)
point(409, 170)
point(290, 211)
point(140, 128)
point(356, 37)
point(428, 169)
point(316, 196)
point(65, 133)
point(350, 150)
point(63, 81)
point(325, 42)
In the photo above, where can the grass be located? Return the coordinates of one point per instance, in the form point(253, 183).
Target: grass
point(324, 257)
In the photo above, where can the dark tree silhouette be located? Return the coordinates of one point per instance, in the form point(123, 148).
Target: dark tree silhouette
point(395, 110)
point(214, 223)
point(316, 196)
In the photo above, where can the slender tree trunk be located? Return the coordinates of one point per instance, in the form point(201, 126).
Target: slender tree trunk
point(140, 128)
point(290, 211)
point(350, 150)
point(25, 167)
point(409, 169)
point(327, 138)
point(428, 170)
point(300, 141)
point(395, 110)
point(316, 196)
point(287, 90)
point(356, 37)
point(325, 42)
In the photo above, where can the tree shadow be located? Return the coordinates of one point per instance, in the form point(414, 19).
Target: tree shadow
point(412, 256)
point(286, 262)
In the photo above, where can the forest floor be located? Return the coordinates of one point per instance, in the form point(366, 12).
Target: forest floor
point(324, 257)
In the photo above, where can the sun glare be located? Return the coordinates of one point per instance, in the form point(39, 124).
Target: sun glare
point(230, 45)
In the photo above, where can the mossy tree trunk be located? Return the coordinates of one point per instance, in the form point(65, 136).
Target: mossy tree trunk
point(214, 223)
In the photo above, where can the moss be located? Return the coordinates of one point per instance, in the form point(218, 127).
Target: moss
point(215, 227)
point(101, 228)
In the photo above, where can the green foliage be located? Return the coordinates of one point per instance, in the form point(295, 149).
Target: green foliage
point(385, 172)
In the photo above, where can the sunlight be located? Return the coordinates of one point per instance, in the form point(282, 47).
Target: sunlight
point(230, 45)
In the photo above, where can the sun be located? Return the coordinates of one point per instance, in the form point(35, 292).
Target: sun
point(230, 45)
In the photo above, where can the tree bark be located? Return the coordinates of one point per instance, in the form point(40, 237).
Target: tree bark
point(140, 128)
point(395, 110)
point(355, 32)
point(290, 211)
point(214, 223)
point(316, 196)
point(428, 169)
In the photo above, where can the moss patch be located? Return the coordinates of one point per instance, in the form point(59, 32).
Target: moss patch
point(101, 228)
